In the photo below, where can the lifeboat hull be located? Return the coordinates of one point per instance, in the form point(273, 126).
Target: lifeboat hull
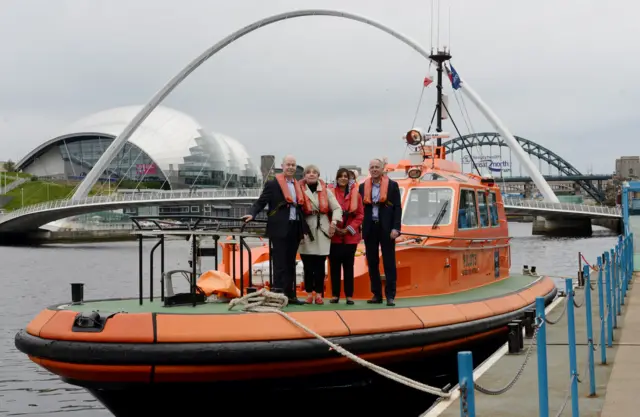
point(154, 346)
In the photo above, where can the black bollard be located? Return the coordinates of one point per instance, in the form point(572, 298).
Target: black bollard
point(512, 338)
point(529, 322)
point(251, 290)
point(520, 338)
point(580, 279)
point(77, 293)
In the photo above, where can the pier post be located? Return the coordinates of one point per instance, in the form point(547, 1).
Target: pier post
point(573, 365)
point(614, 302)
point(623, 279)
point(603, 351)
point(465, 381)
point(629, 261)
point(618, 279)
point(541, 349)
point(632, 252)
point(587, 302)
point(609, 308)
point(625, 266)
point(630, 258)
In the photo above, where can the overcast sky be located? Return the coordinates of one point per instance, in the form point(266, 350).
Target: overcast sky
point(328, 90)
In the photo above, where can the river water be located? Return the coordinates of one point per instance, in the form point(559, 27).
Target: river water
point(35, 277)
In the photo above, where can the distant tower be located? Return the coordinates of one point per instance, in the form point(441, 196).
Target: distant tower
point(267, 164)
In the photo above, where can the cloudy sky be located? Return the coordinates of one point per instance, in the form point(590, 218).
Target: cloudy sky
point(328, 90)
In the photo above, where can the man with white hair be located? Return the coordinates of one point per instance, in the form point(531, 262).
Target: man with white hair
point(285, 225)
point(380, 228)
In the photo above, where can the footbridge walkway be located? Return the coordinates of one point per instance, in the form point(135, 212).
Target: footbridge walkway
point(565, 210)
point(32, 217)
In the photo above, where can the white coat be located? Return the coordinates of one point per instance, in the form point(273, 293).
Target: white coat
point(321, 243)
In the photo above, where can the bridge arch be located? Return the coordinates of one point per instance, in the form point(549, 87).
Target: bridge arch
point(92, 177)
point(530, 147)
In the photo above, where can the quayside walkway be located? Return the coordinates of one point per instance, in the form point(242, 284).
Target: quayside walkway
point(515, 382)
point(622, 396)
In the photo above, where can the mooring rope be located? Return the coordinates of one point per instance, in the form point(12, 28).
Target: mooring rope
point(593, 268)
point(265, 301)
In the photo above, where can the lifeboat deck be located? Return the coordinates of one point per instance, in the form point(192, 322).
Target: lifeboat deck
point(500, 288)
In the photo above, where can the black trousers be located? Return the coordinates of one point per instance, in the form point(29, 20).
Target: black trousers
point(379, 238)
point(341, 259)
point(283, 254)
point(314, 272)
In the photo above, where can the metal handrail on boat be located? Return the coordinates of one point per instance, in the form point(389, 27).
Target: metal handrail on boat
point(192, 229)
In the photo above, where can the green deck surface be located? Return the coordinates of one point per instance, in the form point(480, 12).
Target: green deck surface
point(497, 289)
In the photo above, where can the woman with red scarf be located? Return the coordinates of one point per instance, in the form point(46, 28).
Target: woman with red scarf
point(347, 236)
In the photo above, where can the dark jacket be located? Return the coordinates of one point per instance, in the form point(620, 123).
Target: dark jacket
point(389, 214)
point(278, 211)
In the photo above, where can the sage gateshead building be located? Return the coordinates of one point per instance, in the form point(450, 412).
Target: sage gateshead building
point(170, 150)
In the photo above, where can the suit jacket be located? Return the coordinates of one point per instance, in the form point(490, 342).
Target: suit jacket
point(278, 214)
point(389, 214)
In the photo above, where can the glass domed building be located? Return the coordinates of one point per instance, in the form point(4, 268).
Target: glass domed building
point(170, 150)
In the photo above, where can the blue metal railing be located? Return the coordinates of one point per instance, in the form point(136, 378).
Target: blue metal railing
point(615, 268)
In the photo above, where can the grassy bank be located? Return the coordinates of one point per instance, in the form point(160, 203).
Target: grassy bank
point(39, 191)
point(34, 192)
point(11, 177)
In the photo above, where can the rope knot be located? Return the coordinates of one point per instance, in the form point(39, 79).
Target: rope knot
point(260, 301)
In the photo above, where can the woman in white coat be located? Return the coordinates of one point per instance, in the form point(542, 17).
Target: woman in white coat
point(322, 211)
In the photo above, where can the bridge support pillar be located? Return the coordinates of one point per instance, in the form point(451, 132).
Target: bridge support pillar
point(562, 227)
point(615, 225)
point(26, 238)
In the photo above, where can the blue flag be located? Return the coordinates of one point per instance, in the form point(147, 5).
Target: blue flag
point(454, 78)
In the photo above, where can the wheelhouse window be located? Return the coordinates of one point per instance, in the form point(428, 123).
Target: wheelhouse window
point(428, 205)
point(467, 209)
point(493, 209)
point(482, 208)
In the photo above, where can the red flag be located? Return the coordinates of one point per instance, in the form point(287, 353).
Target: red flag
point(427, 80)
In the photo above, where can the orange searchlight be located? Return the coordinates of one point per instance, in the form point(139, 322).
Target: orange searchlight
point(414, 137)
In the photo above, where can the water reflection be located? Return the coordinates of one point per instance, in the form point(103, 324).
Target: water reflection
point(36, 277)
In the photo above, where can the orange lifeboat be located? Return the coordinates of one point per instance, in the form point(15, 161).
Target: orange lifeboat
point(454, 287)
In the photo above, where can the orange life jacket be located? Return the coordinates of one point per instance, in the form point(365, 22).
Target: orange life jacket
point(353, 198)
point(285, 190)
point(384, 187)
point(323, 199)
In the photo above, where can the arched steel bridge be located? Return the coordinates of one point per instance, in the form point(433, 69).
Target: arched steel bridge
point(530, 147)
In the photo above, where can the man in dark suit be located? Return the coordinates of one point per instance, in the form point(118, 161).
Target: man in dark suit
point(380, 228)
point(285, 225)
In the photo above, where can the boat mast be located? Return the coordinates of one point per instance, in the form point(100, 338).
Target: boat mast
point(439, 57)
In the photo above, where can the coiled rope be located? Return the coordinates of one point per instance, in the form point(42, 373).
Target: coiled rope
point(265, 301)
